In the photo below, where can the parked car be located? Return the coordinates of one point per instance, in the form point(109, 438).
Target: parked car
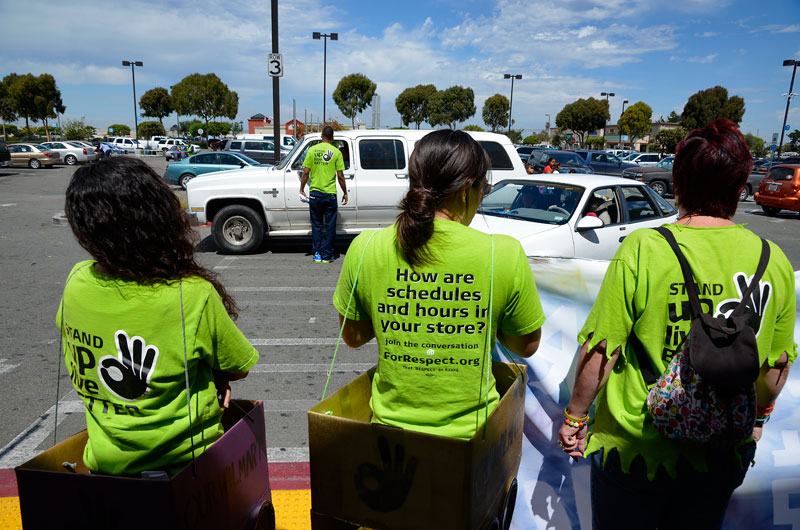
point(765, 165)
point(780, 189)
point(71, 154)
point(603, 163)
point(571, 216)
point(259, 150)
point(126, 144)
point(658, 177)
point(183, 171)
point(643, 159)
point(33, 155)
point(168, 143)
point(287, 142)
point(245, 205)
point(570, 162)
point(524, 151)
point(5, 156)
point(112, 150)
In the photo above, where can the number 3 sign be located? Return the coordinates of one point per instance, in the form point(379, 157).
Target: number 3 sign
point(275, 65)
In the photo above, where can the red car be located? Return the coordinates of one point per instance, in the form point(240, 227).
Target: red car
point(780, 189)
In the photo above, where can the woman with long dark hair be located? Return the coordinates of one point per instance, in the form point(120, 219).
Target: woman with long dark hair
point(143, 322)
point(436, 294)
point(640, 477)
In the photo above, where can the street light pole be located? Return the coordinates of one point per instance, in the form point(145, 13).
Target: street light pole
point(606, 95)
point(177, 119)
point(794, 63)
point(324, 36)
point(547, 127)
point(511, 103)
point(624, 102)
point(133, 77)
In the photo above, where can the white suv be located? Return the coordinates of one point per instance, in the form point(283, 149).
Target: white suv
point(246, 204)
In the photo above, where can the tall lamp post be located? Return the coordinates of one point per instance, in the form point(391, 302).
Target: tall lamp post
point(177, 119)
point(133, 77)
point(794, 63)
point(324, 36)
point(547, 127)
point(606, 95)
point(624, 102)
point(511, 103)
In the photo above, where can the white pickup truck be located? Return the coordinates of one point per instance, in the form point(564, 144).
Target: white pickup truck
point(246, 204)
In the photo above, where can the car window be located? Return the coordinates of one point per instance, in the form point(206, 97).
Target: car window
point(497, 155)
point(781, 173)
point(381, 154)
point(235, 146)
point(613, 159)
point(205, 158)
point(24, 149)
point(538, 202)
point(601, 157)
point(225, 158)
point(583, 154)
point(604, 205)
point(651, 158)
point(568, 159)
point(59, 146)
point(638, 204)
point(76, 144)
point(666, 208)
point(254, 146)
point(666, 163)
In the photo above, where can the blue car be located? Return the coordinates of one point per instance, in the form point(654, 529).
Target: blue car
point(185, 170)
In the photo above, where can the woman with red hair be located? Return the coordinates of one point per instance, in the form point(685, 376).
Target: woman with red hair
point(640, 477)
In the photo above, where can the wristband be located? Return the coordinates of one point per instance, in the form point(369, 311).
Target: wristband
point(572, 421)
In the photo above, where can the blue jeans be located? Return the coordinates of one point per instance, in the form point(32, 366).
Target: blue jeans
point(323, 210)
point(693, 499)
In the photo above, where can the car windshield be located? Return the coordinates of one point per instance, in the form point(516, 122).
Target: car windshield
point(569, 159)
point(666, 163)
point(538, 202)
point(288, 156)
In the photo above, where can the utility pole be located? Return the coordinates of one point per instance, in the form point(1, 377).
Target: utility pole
point(276, 88)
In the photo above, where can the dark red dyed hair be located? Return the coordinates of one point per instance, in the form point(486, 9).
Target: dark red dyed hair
point(711, 167)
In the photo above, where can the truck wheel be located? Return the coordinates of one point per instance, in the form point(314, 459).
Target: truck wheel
point(744, 193)
point(237, 229)
point(184, 180)
point(658, 187)
point(769, 210)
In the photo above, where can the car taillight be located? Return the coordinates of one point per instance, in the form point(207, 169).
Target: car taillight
point(48, 155)
point(84, 151)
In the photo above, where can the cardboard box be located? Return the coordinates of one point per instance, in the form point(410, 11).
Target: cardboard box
point(231, 485)
point(384, 477)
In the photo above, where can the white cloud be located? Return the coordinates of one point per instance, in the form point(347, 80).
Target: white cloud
point(778, 28)
point(706, 34)
point(703, 60)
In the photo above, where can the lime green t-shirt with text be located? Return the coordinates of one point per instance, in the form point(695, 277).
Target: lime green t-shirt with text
point(433, 323)
point(323, 161)
point(124, 351)
point(643, 290)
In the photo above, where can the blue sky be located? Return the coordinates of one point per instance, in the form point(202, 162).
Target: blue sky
point(656, 51)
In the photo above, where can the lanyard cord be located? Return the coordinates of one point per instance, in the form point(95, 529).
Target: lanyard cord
point(346, 314)
point(186, 374)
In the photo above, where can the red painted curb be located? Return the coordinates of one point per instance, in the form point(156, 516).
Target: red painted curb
point(8, 483)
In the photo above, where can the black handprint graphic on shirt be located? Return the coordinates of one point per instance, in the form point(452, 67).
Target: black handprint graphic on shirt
point(755, 306)
point(127, 375)
point(328, 155)
point(386, 489)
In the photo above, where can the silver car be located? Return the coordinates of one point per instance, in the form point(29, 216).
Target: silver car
point(71, 154)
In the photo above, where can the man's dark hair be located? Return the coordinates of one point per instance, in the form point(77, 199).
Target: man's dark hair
point(327, 132)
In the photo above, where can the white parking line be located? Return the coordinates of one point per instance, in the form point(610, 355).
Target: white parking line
point(297, 342)
point(5, 367)
point(278, 289)
point(287, 454)
point(225, 263)
point(24, 446)
point(306, 368)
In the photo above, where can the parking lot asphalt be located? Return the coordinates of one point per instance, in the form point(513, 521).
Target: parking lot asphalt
point(285, 311)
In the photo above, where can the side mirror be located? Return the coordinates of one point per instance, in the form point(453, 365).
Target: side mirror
point(588, 222)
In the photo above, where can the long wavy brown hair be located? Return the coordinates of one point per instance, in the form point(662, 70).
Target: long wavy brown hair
point(124, 214)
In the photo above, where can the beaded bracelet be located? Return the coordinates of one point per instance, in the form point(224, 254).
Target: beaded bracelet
point(572, 421)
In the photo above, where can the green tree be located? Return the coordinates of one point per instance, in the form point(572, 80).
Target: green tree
point(156, 103)
point(707, 105)
point(205, 96)
point(535, 138)
point(47, 101)
point(354, 94)
point(666, 140)
point(23, 93)
point(495, 111)
point(594, 142)
point(757, 146)
point(77, 130)
point(673, 117)
point(583, 116)
point(119, 129)
point(515, 135)
point(451, 105)
point(148, 129)
point(557, 139)
point(236, 127)
point(8, 111)
point(794, 138)
point(636, 121)
point(471, 127)
point(412, 104)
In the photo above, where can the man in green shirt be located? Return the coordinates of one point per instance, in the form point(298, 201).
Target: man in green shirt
point(324, 164)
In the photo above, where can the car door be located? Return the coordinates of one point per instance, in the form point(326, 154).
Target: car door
point(381, 178)
point(226, 161)
point(297, 210)
point(203, 163)
point(601, 242)
point(19, 156)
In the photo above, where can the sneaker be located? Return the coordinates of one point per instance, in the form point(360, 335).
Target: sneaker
point(326, 261)
point(317, 258)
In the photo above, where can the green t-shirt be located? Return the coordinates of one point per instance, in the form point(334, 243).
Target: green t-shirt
point(323, 160)
point(643, 289)
point(140, 422)
point(431, 325)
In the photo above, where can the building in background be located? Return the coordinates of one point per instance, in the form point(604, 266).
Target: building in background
point(376, 111)
point(259, 120)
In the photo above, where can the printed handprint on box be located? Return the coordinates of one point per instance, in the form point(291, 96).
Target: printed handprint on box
point(385, 488)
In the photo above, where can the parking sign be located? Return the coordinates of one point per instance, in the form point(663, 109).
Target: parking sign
point(275, 65)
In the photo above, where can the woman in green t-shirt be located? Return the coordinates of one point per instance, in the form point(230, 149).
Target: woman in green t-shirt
point(639, 478)
point(143, 323)
point(436, 294)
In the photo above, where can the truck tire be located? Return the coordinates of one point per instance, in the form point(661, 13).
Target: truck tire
point(659, 187)
point(744, 193)
point(769, 210)
point(237, 229)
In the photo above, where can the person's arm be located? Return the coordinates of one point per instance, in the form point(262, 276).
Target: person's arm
point(768, 385)
point(523, 345)
point(221, 382)
point(591, 374)
point(304, 180)
point(356, 333)
point(340, 178)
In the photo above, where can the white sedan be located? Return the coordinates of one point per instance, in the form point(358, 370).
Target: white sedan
point(71, 154)
point(571, 215)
